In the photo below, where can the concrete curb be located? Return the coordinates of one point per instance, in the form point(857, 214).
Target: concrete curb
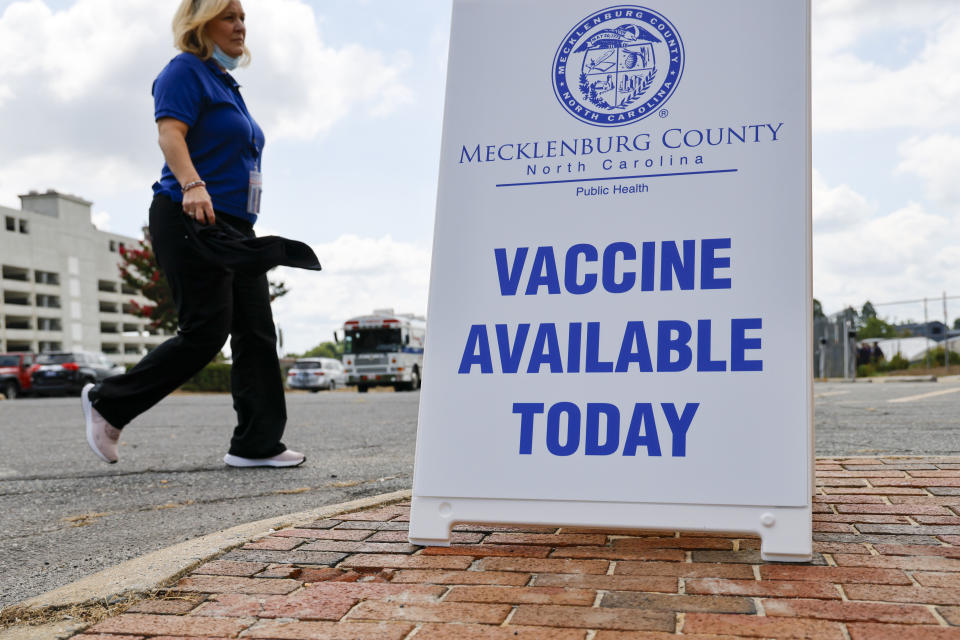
point(52, 631)
point(151, 571)
point(879, 379)
point(895, 379)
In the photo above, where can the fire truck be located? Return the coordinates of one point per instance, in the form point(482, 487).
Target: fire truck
point(384, 349)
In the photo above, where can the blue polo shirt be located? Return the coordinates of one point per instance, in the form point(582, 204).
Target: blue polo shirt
point(225, 142)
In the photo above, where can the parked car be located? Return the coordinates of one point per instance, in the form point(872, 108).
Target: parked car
point(314, 374)
point(15, 374)
point(69, 371)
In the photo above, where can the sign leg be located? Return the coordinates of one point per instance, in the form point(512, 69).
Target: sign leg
point(785, 535)
point(430, 522)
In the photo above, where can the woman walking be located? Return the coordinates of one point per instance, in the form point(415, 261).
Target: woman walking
point(201, 226)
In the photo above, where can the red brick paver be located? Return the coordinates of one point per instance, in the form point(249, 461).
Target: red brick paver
point(886, 566)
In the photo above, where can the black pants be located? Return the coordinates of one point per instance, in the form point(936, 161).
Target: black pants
point(212, 303)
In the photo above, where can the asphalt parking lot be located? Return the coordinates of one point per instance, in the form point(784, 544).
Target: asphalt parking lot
point(897, 418)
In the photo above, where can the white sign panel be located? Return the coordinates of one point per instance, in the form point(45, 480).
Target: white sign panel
point(620, 301)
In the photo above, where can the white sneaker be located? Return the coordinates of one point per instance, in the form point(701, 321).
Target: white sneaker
point(288, 458)
point(101, 435)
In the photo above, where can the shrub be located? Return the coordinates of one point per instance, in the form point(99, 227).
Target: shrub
point(939, 356)
point(213, 377)
point(896, 363)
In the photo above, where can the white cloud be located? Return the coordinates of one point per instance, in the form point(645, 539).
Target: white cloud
point(440, 46)
point(75, 88)
point(838, 24)
point(360, 274)
point(71, 172)
point(837, 208)
point(936, 161)
point(908, 253)
point(302, 85)
point(101, 220)
point(81, 50)
point(851, 93)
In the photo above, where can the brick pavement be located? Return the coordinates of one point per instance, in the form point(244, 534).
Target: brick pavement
point(886, 566)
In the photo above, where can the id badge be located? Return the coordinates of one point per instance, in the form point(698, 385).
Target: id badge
point(254, 192)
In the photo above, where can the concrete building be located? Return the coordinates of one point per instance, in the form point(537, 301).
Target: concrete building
point(60, 286)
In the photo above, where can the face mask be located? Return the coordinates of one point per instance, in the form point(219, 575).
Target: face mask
point(224, 60)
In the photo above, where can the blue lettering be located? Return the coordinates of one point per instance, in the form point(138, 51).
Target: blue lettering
point(629, 252)
point(667, 345)
point(704, 337)
point(527, 411)
point(667, 144)
point(470, 157)
point(477, 351)
point(611, 443)
point(589, 254)
point(739, 344)
point(637, 436)
point(634, 348)
point(671, 263)
point(510, 277)
point(573, 347)
point(594, 365)
point(546, 350)
point(573, 429)
point(544, 273)
point(648, 267)
point(709, 263)
point(510, 358)
point(679, 425)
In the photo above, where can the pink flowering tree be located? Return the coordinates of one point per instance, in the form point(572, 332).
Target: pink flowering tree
point(139, 270)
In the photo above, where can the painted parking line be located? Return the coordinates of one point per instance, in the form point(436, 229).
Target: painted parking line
point(830, 394)
point(923, 396)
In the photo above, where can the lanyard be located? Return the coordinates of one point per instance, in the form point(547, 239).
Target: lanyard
point(230, 82)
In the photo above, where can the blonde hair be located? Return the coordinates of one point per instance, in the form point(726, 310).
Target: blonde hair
point(189, 27)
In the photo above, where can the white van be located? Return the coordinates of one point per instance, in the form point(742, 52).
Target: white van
point(314, 374)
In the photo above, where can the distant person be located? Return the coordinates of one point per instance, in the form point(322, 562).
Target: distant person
point(201, 226)
point(863, 354)
point(876, 354)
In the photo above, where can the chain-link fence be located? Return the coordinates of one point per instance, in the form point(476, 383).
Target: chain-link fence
point(833, 350)
point(912, 330)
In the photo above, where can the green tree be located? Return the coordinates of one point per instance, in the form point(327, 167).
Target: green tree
point(818, 309)
point(875, 327)
point(956, 323)
point(867, 312)
point(323, 350)
point(850, 315)
point(278, 289)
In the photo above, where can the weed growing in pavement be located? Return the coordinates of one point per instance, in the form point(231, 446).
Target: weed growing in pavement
point(88, 613)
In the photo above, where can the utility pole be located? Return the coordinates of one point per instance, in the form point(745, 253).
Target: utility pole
point(926, 331)
point(846, 348)
point(946, 335)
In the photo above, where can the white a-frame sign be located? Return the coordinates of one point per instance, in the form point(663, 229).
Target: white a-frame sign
point(619, 328)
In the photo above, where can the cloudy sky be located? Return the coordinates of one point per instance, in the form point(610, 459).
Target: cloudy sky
point(350, 94)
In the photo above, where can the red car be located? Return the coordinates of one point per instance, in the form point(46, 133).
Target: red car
point(15, 370)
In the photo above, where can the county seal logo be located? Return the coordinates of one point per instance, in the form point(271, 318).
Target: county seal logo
point(618, 65)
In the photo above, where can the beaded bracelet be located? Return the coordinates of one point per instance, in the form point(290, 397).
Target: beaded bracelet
point(191, 185)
